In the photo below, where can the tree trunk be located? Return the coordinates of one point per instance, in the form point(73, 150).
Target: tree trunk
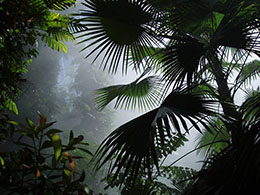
point(227, 102)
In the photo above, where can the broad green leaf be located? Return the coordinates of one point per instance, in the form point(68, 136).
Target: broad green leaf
point(2, 162)
point(18, 124)
point(56, 142)
point(30, 123)
point(67, 173)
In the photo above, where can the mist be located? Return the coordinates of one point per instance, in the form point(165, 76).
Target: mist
point(62, 86)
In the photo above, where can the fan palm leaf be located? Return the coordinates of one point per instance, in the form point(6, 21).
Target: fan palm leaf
point(182, 60)
point(233, 170)
point(133, 146)
point(238, 26)
point(143, 92)
point(218, 133)
point(117, 28)
point(247, 73)
point(251, 108)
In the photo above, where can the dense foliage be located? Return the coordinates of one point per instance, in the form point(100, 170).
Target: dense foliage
point(41, 163)
point(23, 23)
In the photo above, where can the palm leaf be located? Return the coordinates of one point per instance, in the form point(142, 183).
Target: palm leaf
point(58, 29)
point(133, 146)
point(54, 4)
point(218, 133)
point(152, 58)
point(251, 108)
point(237, 27)
point(116, 28)
point(144, 93)
point(249, 72)
point(190, 16)
point(182, 60)
point(232, 171)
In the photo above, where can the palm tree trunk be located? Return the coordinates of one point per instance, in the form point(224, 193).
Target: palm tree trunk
point(227, 102)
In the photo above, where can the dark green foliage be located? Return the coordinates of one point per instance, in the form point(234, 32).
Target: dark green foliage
point(118, 28)
point(22, 23)
point(233, 170)
point(41, 164)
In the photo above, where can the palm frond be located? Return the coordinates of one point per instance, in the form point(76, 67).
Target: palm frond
point(249, 73)
point(131, 145)
point(218, 133)
point(116, 28)
point(135, 144)
point(181, 177)
point(190, 16)
point(145, 93)
point(58, 5)
point(182, 60)
point(251, 108)
point(234, 170)
point(151, 59)
point(237, 28)
point(58, 29)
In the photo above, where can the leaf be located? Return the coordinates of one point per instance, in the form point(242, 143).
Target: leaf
point(56, 142)
point(144, 93)
point(116, 28)
point(71, 135)
point(133, 145)
point(248, 73)
point(54, 4)
point(2, 162)
point(85, 150)
point(46, 144)
point(71, 161)
point(43, 120)
point(30, 123)
point(18, 124)
point(38, 173)
point(182, 59)
point(67, 173)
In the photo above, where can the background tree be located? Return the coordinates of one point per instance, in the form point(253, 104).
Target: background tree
point(23, 22)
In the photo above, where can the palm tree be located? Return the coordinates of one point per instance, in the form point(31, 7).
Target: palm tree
point(193, 58)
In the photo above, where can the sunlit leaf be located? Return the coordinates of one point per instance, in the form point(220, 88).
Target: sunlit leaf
point(2, 162)
point(30, 123)
point(67, 173)
point(56, 142)
point(143, 93)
